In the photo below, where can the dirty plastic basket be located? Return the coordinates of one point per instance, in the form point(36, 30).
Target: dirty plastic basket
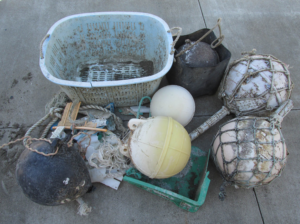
point(97, 57)
point(187, 189)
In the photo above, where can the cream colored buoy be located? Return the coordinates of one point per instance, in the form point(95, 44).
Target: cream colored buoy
point(173, 101)
point(159, 147)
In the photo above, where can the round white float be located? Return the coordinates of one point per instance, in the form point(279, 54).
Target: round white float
point(173, 101)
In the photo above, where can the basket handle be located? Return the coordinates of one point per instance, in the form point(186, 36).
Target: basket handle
point(41, 46)
point(176, 39)
point(217, 42)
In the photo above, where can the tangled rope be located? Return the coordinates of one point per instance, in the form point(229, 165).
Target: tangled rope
point(177, 38)
point(107, 155)
point(88, 135)
point(61, 99)
point(54, 113)
point(28, 141)
point(253, 52)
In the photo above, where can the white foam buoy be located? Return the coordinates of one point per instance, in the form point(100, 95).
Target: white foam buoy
point(173, 101)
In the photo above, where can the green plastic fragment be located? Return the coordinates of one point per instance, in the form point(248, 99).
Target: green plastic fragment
point(134, 172)
point(187, 189)
point(100, 136)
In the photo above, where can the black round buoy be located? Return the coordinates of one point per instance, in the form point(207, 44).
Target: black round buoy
point(52, 180)
point(200, 70)
point(201, 55)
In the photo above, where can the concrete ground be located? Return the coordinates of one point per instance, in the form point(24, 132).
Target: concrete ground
point(269, 26)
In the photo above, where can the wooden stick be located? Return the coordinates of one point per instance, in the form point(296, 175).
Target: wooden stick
point(65, 117)
point(84, 128)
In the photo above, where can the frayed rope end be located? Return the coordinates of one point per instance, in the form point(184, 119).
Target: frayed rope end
point(83, 208)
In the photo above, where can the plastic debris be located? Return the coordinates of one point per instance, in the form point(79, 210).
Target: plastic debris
point(99, 175)
point(127, 111)
point(143, 109)
point(83, 208)
point(58, 133)
point(107, 164)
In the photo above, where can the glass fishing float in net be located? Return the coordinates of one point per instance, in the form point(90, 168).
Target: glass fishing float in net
point(254, 84)
point(250, 151)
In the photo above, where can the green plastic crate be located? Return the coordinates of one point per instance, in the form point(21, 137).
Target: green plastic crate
point(187, 189)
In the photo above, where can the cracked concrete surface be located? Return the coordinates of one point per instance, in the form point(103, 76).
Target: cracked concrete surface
point(269, 26)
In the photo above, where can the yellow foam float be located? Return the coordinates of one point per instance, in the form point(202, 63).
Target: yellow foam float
point(159, 147)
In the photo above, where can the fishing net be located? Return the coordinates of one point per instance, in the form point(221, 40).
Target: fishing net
point(255, 83)
point(251, 151)
point(252, 85)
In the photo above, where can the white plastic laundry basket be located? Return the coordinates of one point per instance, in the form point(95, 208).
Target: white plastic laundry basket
point(98, 58)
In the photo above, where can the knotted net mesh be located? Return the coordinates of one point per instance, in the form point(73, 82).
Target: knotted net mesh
point(249, 151)
point(255, 83)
